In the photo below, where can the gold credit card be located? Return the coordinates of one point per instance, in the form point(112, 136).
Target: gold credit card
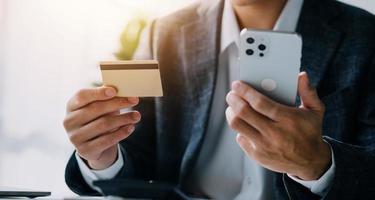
point(135, 78)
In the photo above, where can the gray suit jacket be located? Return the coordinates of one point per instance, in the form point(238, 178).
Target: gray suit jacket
point(338, 55)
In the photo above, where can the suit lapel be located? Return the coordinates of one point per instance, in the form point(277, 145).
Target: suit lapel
point(200, 40)
point(320, 39)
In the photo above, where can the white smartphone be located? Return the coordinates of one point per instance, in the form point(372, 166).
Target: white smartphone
point(270, 62)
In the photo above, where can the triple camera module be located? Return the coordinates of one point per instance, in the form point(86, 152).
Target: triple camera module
point(256, 47)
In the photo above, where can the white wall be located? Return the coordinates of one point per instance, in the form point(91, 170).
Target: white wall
point(49, 49)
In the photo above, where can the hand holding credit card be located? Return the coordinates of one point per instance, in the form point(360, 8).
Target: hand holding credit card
point(135, 78)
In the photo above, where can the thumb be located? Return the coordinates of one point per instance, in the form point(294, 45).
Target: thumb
point(308, 94)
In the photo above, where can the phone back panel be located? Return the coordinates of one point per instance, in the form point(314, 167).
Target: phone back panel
point(270, 62)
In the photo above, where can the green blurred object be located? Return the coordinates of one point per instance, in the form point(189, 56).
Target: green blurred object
point(130, 38)
point(129, 41)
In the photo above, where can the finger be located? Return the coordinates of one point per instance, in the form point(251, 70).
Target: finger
point(108, 123)
point(95, 110)
point(246, 145)
point(117, 112)
point(255, 151)
point(258, 101)
point(102, 143)
point(242, 109)
point(308, 94)
point(86, 96)
point(242, 127)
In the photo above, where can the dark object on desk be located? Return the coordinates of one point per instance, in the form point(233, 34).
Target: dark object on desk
point(16, 192)
point(140, 189)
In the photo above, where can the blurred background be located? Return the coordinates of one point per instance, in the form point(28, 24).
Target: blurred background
point(48, 50)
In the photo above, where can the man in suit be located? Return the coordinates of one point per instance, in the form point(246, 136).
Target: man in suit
point(323, 148)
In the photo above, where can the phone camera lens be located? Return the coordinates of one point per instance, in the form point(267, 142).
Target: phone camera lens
point(262, 47)
point(249, 52)
point(250, 40)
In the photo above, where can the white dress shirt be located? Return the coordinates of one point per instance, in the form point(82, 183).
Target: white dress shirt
point(90, 175)
point(223, 171)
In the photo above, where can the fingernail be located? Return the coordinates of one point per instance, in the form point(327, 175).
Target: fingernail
point(308, 80)
point(133, 99)
point(110, 92)
point(136, 116)
point(240, 138)
point(236, 85)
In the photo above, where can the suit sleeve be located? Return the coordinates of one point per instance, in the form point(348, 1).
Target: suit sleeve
point(138, 150)
point(354, 176)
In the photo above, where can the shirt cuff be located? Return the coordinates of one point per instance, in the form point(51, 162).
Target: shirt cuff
point(320, 186)
point(90, 175)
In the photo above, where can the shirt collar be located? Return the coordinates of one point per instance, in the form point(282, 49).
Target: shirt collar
point(230, 31)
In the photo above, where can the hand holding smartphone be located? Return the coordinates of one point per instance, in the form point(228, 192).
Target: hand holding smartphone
point(270, 61)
